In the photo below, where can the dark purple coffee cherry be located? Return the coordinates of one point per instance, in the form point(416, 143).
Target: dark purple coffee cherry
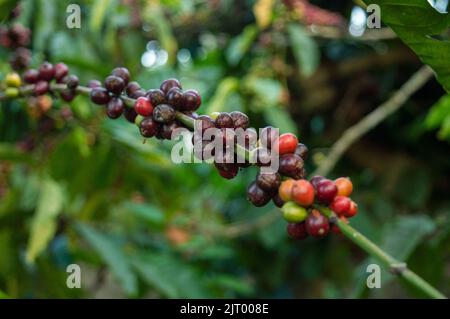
point(268, 181)
point(94, 84)
point(168, 84)
point(130, 114)
point(191, 100)
point(40, 88)
point(227, 170)
point(175, 98)
point(224, 120)
point(20, 59)
point(137, 94)
point(263, 157)
point(67, 95)
point(132, 87)
point(205, 121)
point(276, 199)
point(315, 180)
point(268, 137)
point(297, 230)
point(122, 73)
point(31, 76)
point(164, 113)
point(46, 71)
point(302, 151)
point(291, 165)
point(240, 120)
point(167, 130)
point(148, 127)
point(99, 96)
point(114, 84)
point(114, 108)
point(61, 70)
point(257, 196)
point(156, 97)
point(72, 81)
point(326, 191)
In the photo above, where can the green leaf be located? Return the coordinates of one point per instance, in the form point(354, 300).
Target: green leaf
point(225, 88)
point(112, 255)
point(147, 212)
point(5, 7)
point(267, 90)
point(305, 50)
point(280, 118)
point(43, 225)
point(438, 112)
point(98, 14)
point(3, 295)
point(241, 44)
point(419, 25)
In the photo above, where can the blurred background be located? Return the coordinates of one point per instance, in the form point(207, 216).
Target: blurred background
point(77, 187)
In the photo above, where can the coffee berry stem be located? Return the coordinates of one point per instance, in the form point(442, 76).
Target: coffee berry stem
point(395, 267)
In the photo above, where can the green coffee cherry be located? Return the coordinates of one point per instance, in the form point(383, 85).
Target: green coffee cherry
point(214, 115)
point(294, 213)
point(138, 120)
point(13, 80)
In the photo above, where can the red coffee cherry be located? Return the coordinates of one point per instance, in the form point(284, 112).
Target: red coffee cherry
point(353, 210)
point(99, 96)
point(303, 192)
point(31, 76)
point(46, 71)
point(344, 186)
point(297, 230)
point(287, 144)
point(143, 107)
point(148, 127)
point(340, 205)
point(41, 88)
point(257, 196)
point(326, 190)
point(317, 225)
point(61, 70)
point(168, 84)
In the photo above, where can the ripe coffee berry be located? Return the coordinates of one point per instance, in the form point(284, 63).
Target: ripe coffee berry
point(326, 190)
point(285, 190)
point(240, 120)
point(156, 97)
point(132, 87)
point(268, 136)
point(191, 100)
point(122, 73)
point(148, 127)
point(344, 186)
point(228, 170)
point(204, 122)
point(340, 205)
point(164, 113)
point(167, 130)
point(256, 195)
point(99, 95)
point(287, 144)
point(71, 81)
point(114, 108)
point(353, 210)
point(175, 97)
point(263, 157)
point(291, 165)
point(137, 94)
point(268, 181)
point(276, 199)
point(294, 213)
point(317, 225)
point(224, 120)
point(168, 84)
point(114, 84)
point(94, 84)
point(41, 88)
point(46, 71)
point(67, 95)
point(143, 107)
point(31, 76)
point(61, 70)
point(302, 151)
point(130, 114)
point(315, 180)
point(303, 192)
point(297, 230)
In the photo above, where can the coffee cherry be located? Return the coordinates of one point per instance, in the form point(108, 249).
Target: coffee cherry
point(294, 213)
point(122, 73)
point(326, 190)
point(72, 81)
point(137, 94)
point(168, 84)
point(175, 98)
point(67, 95)
point(13, 80)
point(268, 137)
point(287, 143)
point(132, 87)
point(148, 127)
point(291, 165)
point(164, 113)
point(41, 88)
point(205, 122)
point(302, 151)
point(224, 120)
point(303, 192)
point(276, 199)
point(344, 186)
point(46, 71)
point(297, 230)
point(114, 84)
point(130, 114)
point(94, 84)
point(20, 59)
point(138, 120)
point(99, 96)
point(228, 170)
point(114, 108)
point(240, 120)
point(340, 205)
point(315, 180)
point(263, 157)
point(317, 225)
point(285, 190)
point(268, 181)
point(156, 97)
point(61, 70)
point(12, 92)
point(191, 100)
point(256, 195)
point(167, 130)
point(143, 107)
point(31, 76)
point(353, 210)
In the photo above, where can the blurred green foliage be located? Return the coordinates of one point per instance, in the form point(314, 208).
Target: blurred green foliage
point(84, 189)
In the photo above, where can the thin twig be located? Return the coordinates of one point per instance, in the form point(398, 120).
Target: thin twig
point(371, 120)
point(328, 32)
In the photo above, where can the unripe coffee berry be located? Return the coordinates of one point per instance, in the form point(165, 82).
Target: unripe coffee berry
point(99, 95)
point(13, 80)
point(285, 190)
point(257, 196)
point(164, 113)
point(317, 225)
point(114, 84)
point(143, 107)
point(294, 213)
point(12, 92)
point(340, 205)
point(303, 192)
point(344, 186)
point(114, 108)
point(326, 190)
point(297, 230)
